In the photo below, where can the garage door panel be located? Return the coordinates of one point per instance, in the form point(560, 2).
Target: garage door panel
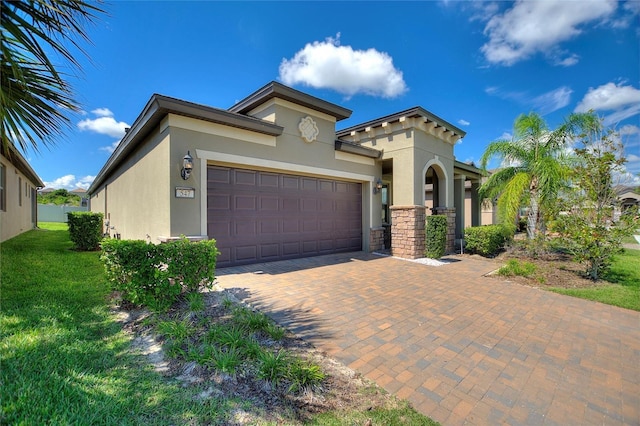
point(218, 175)
point(290, 205)
point(219, 201)
point(244, 253)
point(290, 182)
point(244, 178)
point(309, 205)
point(260, 216)
point(325, 205)
point(268, 251)
point(269, 226)
point(245, 202)
point(310, 225)
point(309, 247)
point(291, 248)
point(269, 203)
point(269, 180)
point(325, 186)
point(291, 226)
point(222, 229)
point(309, 184)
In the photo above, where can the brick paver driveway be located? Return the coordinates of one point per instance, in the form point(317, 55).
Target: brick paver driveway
point(462, 348)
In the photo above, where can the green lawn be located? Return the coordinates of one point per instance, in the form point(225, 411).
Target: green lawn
point(621, 285)
point(65, 360)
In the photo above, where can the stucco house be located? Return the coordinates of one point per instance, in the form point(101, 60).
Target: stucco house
point(272, 178)
point(19, 184)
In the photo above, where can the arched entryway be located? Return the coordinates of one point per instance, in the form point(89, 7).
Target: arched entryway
point(435, 187)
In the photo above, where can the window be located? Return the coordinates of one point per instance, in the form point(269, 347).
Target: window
point(19, 191)
point(3, 185)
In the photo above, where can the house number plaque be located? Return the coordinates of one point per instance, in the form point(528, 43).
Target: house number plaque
point(183, 192)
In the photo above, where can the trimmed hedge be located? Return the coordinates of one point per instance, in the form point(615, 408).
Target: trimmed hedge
point(436, 236)
point(85, 229)
point(154, 275)
point(486, 240)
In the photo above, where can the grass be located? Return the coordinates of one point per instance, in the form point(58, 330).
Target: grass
point(66, 360)
point(631, 239)
point(622, 287)
point(514, 267)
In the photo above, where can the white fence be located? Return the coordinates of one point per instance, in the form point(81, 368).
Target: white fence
point(53, 213)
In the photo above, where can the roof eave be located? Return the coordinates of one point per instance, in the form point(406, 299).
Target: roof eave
point(411, 112)
point(278, 90)
point(157, 108)
point(353, 148)
point(21, 164)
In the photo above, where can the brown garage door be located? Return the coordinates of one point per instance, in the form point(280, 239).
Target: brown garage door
point(258, 216)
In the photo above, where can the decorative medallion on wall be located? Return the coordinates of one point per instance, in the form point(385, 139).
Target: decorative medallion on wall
point(308, 129)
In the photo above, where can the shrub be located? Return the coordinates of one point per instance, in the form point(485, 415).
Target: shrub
point(486, 240)
point(515, 268)
point(154, 275)
point(436, 236)
point(85, 229)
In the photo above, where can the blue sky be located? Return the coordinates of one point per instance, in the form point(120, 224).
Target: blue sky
point(477, 65)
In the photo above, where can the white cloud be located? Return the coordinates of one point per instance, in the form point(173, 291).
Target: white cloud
point(531, 27)
point(70, 182)
point(102, 112)
point(608, 97)
point(628, 130)
point(624, 101)
point(104, 124)
point(463, 122)
point(110, 148)
point(553, 100)
point(327, 64)
point(631, 10)
point(569, 61)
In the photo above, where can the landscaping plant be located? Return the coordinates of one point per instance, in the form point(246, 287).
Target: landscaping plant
point(436, 236)
point(154, 275)
point(85, 229)
point(532, 174)
point(594, 226)
point(487, 240)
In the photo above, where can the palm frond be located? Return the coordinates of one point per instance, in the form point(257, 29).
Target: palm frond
point(35, 96)
point(511, 197)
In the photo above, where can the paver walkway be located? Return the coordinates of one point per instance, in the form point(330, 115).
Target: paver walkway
point(462, 348)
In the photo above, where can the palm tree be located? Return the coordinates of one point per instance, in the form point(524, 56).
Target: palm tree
point(532, 172)
point(35, 96)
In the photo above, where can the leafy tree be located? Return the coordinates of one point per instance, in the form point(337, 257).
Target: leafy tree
point(35, 94)
point(594, 226)
point(59, 197)
point(533, 176)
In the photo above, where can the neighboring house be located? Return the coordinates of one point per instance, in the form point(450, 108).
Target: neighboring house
point(19, 184)
point(271, 178)
point(82, 193)
point(628, 198)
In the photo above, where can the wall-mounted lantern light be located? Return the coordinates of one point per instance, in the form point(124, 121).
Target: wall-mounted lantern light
point(187, 166)
point(377, 187)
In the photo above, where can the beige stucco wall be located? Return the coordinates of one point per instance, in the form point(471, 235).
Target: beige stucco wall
point(413, 150)
point(136, 198)
point(19, 190)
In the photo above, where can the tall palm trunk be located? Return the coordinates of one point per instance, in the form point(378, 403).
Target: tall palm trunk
point(532, 218)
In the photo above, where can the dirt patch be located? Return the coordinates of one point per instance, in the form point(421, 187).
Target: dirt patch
point(551, 270)
point(342, 388)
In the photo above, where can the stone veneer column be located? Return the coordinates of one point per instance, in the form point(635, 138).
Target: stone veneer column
point(376, 239)
point(407, 231)
point(450, 213)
